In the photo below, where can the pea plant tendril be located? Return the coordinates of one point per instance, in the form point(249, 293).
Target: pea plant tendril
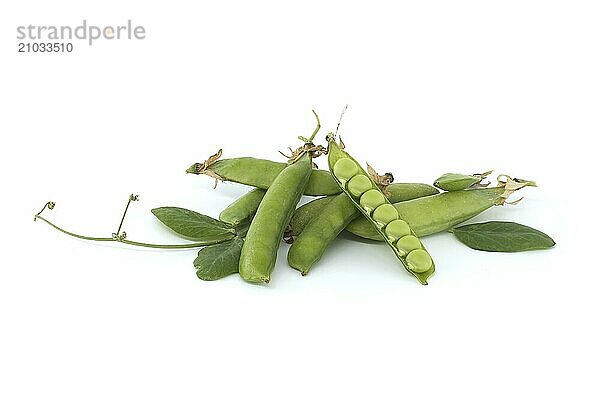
point(119, 237)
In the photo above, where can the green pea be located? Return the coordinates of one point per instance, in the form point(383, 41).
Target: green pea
point(397, 229)
point(344, 169)
point(419, 260)
point(407, 244)
point(359, 184)
point(371, 199)
point(384, 214)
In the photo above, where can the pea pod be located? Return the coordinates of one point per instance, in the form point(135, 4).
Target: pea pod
point(383, 216)
point(308, 247)
point(259, 252)
point(397, 192)
point(438, 213)
point(260, 173)
point(243, 209)
point(303, 215)
point(453, 182)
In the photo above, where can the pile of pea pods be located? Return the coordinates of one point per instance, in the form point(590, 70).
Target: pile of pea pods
point(349, 198)
point(246, 237)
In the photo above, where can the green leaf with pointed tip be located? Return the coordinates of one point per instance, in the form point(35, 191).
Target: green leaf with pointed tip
point(499, 236)
point(219, 260)
point(194, 226)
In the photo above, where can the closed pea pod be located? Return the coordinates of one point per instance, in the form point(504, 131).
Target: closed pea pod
point(373, 205)
point(259, 251)
point(397, 192)
point(304, 215)
point(243, 208)
point(260, 173)
point(309, 246)
point(452, 182)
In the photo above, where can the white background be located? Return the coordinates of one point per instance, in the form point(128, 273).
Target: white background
point(433, 87)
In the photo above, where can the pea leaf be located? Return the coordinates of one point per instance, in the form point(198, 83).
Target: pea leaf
point(219, 260)
point(194, 226)
point(502, 236)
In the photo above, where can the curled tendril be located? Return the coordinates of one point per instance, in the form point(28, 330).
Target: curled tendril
point(49, 205)
point(120, 237)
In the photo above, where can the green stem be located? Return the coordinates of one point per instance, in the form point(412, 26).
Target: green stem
point(97, 239)
point(316, 129)
point(170, 246)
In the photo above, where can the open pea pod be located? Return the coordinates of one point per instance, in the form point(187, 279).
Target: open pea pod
point(372, 203)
